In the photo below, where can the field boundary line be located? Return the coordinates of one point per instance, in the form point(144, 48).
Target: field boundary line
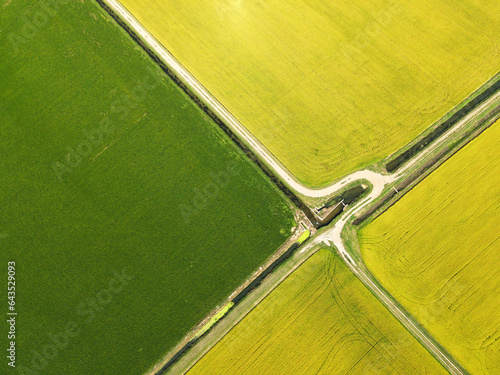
point(404, 155)
point(410, 323)
point(225, 115)
point(278, 170)
point(190, 339)
point(440, 151)
point(124, 20)
point(445, 153)
point(244, 308)
point(333, 236)
point(232, 126)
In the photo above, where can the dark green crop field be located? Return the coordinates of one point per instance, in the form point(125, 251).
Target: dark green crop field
point(128, 213)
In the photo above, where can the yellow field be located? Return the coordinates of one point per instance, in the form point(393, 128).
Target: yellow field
point(437, 251)
point(329, 86)
point(320, 320)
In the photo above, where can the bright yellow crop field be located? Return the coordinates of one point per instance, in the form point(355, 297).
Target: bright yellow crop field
point(437, 251)
point(330, 86)
point(320, 320)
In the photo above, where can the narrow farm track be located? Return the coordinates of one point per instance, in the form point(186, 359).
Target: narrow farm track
point(446, 360)
point(244, 134)
point(379, 182)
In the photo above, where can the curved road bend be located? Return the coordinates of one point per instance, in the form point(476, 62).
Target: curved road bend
point(239, 129)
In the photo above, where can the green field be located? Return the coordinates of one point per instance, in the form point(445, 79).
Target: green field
point(437, 252)
point(331, 86)
point(102, 163)
point(320, 320)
